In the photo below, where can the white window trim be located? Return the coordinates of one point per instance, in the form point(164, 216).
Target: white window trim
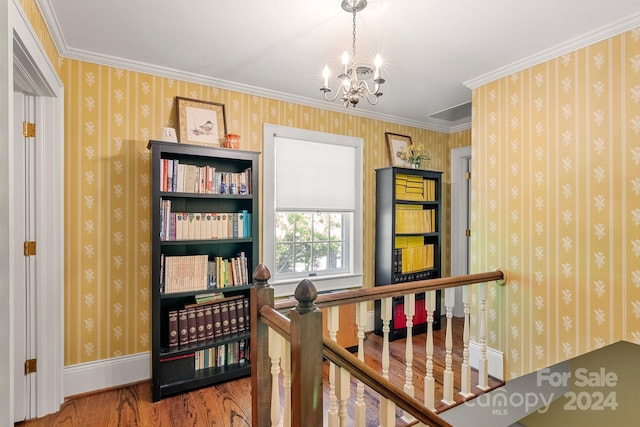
point(327, 283)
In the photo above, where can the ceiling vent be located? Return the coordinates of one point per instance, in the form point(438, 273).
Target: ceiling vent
point(454, 114)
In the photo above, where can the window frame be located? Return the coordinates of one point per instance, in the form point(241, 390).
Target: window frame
point(323, 283)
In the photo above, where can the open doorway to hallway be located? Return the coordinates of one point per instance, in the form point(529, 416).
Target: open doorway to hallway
point(460, 217)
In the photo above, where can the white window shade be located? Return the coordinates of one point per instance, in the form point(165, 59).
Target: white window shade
point(317, 176)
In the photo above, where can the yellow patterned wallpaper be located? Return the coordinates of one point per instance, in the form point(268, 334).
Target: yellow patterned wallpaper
point(32, 12)
point(556, 203)
point(110, 116)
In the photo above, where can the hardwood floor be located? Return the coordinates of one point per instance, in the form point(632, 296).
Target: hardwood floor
point(229, 404)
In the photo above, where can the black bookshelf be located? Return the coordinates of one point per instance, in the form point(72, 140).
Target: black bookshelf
point(173, 368)
point(392, 233)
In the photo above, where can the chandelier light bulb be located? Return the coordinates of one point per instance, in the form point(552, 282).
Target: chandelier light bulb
point(345, 60)
point(325, 74)
point(345, 57)
point(378, 63)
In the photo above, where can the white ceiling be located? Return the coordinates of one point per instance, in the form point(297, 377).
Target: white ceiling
point(433, 50)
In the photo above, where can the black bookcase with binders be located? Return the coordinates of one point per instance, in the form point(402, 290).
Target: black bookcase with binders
point(204, 250)
point(408, 240)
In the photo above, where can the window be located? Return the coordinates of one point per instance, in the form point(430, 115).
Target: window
point(312, 223)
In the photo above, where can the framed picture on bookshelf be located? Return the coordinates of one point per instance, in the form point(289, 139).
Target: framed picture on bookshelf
point(200, 122)
point(397, 145)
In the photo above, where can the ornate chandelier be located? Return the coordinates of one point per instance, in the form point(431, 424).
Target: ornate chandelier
point(355, 81)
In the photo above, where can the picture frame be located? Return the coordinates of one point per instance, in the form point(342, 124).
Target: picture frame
point(397, 143)
point(200, 122)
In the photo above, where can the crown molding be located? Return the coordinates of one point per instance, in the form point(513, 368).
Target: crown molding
point(170, 73)
point(570, 45)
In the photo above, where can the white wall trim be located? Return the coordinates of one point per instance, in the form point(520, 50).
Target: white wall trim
point(570, 45)
point(106, 373)
point(34, 73)
point(119, 371)
point(370, 326)
point(494, 357)
point(459, 209)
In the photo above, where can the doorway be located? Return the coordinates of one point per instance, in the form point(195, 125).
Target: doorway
point(460, 218)
point(34, 303)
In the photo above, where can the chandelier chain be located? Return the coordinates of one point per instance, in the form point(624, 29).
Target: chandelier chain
point(353, 59)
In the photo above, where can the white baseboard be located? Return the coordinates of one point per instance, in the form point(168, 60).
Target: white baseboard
point(370, 326)
point(495, 360)
point(103, 374)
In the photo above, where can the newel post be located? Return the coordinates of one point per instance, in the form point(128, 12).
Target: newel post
point(306, 357)
point(261, 294)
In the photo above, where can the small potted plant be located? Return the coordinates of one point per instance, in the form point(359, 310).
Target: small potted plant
point(414, 155)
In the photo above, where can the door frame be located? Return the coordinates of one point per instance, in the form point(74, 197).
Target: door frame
point(459, 216)
point(29, 69)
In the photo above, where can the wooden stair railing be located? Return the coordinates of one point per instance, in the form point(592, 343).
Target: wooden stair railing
point(299, 333)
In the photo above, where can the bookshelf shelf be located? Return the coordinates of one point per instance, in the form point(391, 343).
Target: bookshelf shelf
point(166, 353)
point(195, 260)
point(203, 241)
point(230, 289)
point(408, 239)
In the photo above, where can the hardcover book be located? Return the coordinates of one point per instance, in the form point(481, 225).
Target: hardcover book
point(247, 316)
point(240, 314)
point(193, 325)
point(233, 317)
point(200, 323)
point(208, 322)
point(183, 325)
point(226, 321)
point(217, 321)
point(173, 329)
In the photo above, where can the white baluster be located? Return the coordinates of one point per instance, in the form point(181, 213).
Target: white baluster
point(385, 306)
point(332, 325)
point(387, 408)
point(387, 413)
point(343, 392)
point(447, 393)
point(429, 381)
point(409, 312)
point(465, 381)
point(285, 365)
point(483, 367)
point(361, 407)
point(274, 355)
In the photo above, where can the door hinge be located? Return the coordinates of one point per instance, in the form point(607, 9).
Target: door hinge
point(467, 175)
point(467, 232)
point(30, 366)
point(28, 130)
point(29, 248)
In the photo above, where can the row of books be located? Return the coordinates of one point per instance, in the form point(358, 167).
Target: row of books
point(415, 187)
point(412, 255)
point(414, 219)
point(187, 273)
point(188, 178)
point(184, 273)
point(196, 324)
point(203, 225)
point(222, 355)
point(231, 271)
